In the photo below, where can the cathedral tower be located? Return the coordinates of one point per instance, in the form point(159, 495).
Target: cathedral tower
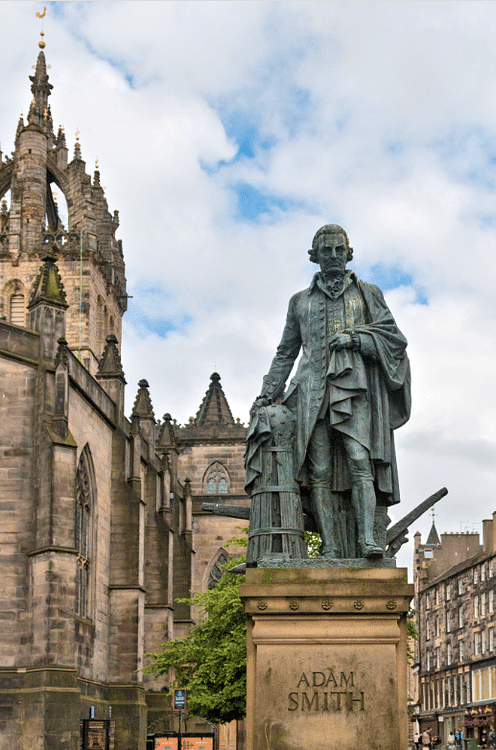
point(89, 256)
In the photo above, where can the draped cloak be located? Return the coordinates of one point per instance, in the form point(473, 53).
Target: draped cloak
point(365, 393)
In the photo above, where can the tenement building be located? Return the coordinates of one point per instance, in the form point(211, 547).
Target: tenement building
point(101, 519)
point(455, 658)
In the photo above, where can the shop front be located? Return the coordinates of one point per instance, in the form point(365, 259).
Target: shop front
point(478, 722)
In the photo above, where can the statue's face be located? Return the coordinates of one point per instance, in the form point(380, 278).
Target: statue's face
point(332, 253)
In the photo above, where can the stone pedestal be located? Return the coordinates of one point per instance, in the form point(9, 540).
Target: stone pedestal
point(326, 658)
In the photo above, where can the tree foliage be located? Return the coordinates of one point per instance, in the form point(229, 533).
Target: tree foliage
point(313, 542)
point(210, 662)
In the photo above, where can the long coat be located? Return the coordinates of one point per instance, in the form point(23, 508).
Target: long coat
point(385, 379)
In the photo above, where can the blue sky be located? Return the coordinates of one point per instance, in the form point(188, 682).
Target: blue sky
point(228, 132)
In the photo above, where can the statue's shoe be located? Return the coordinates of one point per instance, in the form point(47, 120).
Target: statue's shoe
point(329, 553)
point(372, 551)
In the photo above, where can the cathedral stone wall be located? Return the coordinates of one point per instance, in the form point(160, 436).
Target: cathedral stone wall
point(88, 428)
point(211, 532)
point(17, 386)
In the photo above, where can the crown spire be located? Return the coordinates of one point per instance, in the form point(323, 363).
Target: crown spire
point(40, 87)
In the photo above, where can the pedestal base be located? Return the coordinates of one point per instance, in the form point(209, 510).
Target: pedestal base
point(326, 658)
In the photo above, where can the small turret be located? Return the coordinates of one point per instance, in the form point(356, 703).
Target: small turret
point(166, 439)
point(20, 128)
point(47, 307)
point(142, 413)
point(77, 149)
point(35, 115)
point(110, 374)
point(96, 176)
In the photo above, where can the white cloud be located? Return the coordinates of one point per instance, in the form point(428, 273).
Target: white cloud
point(377, 115)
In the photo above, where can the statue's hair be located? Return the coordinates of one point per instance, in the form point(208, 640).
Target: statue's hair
point(328, 229)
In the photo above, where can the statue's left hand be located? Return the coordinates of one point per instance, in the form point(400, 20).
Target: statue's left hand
point(340, 341)
point(258, 403)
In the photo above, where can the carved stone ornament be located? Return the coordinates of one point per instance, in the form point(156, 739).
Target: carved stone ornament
point(326, 604)
point(294, 604)
point(262, 604)
point(391, 604)
point(359, 604)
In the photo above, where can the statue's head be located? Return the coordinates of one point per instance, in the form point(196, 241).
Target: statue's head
point(332, 230)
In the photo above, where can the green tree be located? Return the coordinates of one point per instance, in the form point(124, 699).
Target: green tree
point(313, 542)
point(210, 662)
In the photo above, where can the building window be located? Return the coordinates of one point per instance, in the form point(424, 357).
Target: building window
point(84, 506)
point(483, 573)
point(477, 643)
point(217, 571)
point(476, 577)
point(437, 596)
point(17, 309)
point(428, 554)
point(491, 639)
point(460, 650)
point(460, 617)
point(438, 657)
point(483, 642)
point(448, 591)
point(448, 621)
point(483, 604)
point(491, 600)
point(438, 627)
point(427, 629)
point(427, 601)
point(428, 661)
point(216, 481)
point(476, 606)
point(460, 585)
point(448, 654)
point(490, 566)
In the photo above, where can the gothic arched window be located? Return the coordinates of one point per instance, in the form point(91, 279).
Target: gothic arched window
point(216, 571)
point(217, 482)
point(84, 510)
point(17, 309)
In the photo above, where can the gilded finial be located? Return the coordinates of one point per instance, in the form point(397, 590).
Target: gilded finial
point(41, 44)
point(77, 136)
point(96, 164)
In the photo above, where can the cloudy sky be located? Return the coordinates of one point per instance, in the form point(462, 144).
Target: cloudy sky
point(228, 132)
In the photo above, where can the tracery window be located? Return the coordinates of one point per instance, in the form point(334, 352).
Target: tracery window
point(217, 480)
point(84, 508)
point(216, 571)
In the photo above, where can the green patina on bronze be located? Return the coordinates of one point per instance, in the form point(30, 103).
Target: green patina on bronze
point(350, 392)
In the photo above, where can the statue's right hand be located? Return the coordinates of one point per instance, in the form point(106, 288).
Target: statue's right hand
point(258, 403)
